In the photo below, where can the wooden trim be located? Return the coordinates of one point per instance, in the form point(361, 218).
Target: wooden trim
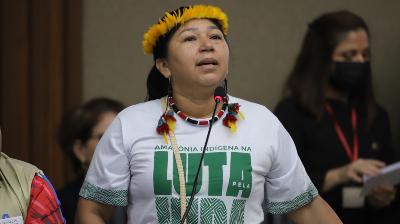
point(15, 78)
point(73, 53)
point(41, 78)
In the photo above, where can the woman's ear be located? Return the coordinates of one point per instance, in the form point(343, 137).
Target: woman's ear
point(79, 151)
point(162, 66)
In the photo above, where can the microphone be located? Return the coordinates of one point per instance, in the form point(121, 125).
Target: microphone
point(219, 94)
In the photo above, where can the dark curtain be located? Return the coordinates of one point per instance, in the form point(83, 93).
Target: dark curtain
point(40, 78)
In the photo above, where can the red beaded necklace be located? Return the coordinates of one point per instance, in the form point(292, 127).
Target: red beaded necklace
point(199, 122)
point(167, 120)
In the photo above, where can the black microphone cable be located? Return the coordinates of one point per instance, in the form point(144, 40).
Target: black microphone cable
point(218, 94)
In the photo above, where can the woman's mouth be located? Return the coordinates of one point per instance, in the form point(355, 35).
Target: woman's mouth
point(207, 62)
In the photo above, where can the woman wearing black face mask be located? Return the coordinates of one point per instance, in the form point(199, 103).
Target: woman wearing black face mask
point(330, 111)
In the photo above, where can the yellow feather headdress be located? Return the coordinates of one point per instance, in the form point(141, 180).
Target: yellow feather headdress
point(170, 20)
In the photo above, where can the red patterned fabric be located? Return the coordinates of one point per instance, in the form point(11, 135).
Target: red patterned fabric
point(44, 206)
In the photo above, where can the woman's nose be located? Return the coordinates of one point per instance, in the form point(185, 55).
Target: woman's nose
point(206, 44)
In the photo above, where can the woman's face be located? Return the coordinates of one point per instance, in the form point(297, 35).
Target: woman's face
point(198, 56)
point(354, 47)
point(98, 131)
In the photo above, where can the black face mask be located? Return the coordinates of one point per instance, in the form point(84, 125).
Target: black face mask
point(349, 75)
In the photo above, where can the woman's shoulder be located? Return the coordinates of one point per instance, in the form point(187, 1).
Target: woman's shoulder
point(286, 104)
point(290, 113)
point(143, 109)
point(288, 107)
point(21, 167)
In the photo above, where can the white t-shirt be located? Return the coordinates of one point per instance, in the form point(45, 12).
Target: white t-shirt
point(242, 172)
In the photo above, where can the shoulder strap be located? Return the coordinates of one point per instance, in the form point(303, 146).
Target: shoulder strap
point(163, 101)
point(179, 166)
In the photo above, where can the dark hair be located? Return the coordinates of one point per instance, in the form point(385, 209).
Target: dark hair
point(157, 84)
point(306, 82)
point(78, 123)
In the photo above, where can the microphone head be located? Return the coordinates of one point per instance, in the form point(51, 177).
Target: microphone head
point(219, 94)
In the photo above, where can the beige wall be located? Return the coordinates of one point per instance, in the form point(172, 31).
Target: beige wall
point(264, 35)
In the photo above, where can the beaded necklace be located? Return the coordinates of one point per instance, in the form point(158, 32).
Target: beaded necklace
point(199, 122)
point(166, 123)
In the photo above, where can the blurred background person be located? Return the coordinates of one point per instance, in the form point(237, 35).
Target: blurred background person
point(26, 195)
point(78, 134)
point(340, 131)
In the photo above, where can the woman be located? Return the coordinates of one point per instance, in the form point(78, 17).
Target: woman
point(151, 162)
point(78, 135)
point(340, 132)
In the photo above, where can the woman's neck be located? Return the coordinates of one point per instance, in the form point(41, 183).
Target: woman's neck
point(333, 93)
point(195, 104)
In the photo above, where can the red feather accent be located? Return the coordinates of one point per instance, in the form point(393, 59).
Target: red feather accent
point(235, 107)
point(169, 117)
point(229, 119)
point(163, 128)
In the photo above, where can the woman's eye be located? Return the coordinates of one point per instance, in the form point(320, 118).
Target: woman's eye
point(367, 55)
point(189, 38)
point(216, 37)
point(348, 56)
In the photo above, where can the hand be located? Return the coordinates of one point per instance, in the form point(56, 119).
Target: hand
point(381, 196)
point(356, 169)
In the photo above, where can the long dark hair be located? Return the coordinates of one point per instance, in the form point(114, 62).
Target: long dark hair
point(307, 80)
point(157, 84)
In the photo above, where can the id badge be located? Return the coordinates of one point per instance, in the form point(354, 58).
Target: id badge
point(12, 220)
point(352, 198)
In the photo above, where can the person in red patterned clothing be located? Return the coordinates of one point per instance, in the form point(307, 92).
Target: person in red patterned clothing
point(29, 194)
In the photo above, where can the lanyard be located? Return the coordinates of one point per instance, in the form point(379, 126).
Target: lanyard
point(352, 154)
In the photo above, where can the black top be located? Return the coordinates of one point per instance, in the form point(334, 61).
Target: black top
point(69, 195)
point(320, 149)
